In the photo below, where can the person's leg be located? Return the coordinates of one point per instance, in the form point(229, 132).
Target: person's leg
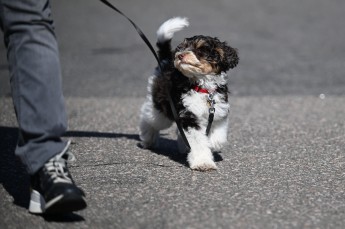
point(35, 77)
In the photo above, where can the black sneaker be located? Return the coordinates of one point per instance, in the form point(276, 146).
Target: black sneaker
point(53, 190)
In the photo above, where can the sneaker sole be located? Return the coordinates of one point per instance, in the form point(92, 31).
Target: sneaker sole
point(37, 203)
point(58, 205)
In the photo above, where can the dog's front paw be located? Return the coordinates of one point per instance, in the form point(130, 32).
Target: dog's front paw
point(203, 165)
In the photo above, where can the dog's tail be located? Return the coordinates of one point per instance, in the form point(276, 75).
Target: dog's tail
point(166, 32)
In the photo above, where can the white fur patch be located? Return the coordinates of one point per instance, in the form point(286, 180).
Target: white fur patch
point(167, 29)
point(197, 102)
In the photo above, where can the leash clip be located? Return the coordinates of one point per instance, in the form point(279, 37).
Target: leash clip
point(211, 101)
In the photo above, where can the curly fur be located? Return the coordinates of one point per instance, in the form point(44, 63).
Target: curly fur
point(198, 61)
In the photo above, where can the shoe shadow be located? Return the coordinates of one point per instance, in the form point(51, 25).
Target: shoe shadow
point(15, 179)
point(63, 218)
point(13, 175)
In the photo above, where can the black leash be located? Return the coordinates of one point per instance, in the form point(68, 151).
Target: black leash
point(147, 42)
point(210, 120)
point(211, 111)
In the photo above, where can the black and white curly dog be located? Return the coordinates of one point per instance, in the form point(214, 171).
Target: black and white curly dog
point(195, 75)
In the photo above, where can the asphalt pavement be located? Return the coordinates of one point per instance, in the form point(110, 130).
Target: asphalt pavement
point(284, 164)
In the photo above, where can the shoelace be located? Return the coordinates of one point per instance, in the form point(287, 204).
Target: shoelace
point(57, 170)
point(57, 166)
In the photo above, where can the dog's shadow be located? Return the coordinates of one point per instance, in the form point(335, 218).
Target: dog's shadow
point(168, 147)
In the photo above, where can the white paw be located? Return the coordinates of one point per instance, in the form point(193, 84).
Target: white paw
point(203, 165)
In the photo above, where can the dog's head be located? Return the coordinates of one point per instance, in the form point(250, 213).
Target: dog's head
point(204, 55)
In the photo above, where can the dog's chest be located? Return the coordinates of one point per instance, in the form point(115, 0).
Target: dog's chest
point(199, 104)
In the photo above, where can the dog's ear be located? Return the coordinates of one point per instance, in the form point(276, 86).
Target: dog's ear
point(230, 57)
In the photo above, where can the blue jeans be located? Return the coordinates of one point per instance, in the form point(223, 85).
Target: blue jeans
point(35, 78)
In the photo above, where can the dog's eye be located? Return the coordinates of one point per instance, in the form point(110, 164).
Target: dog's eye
point(179, 48)
point(202, 52)
point(205, 49)
point(213, 55)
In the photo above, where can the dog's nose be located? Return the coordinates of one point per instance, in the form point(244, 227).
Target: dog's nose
point(180, 56)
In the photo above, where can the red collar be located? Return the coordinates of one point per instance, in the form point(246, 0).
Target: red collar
point(201, 90)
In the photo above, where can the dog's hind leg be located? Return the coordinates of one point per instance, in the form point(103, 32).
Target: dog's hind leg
point(151, 122)
point(148, 135)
